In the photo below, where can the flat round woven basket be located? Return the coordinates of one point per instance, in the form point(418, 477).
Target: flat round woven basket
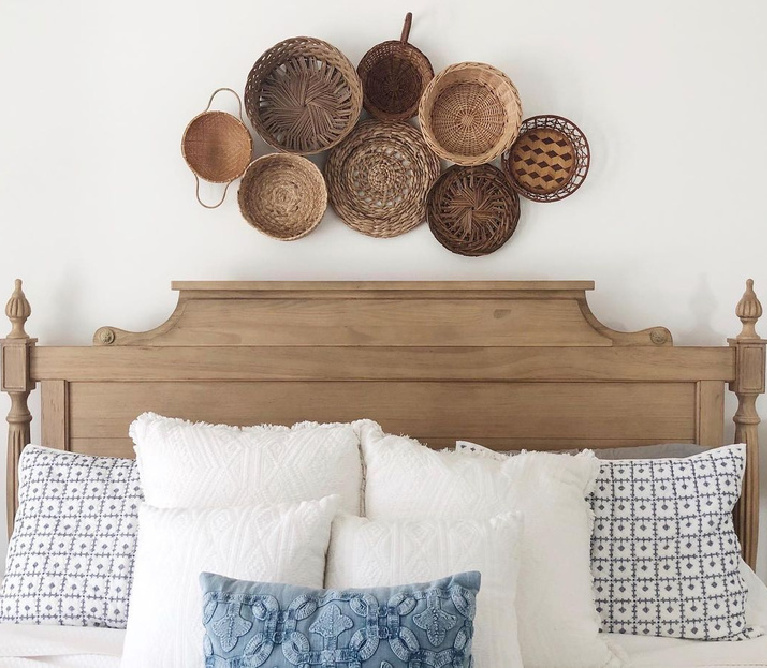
point(470, 113)
point(217, 146)
point(283, 196)
point(379, 176)
point(303, 95)
point(473, 210)
point(549, 160)
point(394, 75)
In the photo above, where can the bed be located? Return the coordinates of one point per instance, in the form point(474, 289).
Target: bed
point(507, 364)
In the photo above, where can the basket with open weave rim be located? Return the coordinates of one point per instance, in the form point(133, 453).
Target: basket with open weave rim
point(549, 160)
point(283, 196)
point(303, 95)
point(217, 147)
point(470, 113)
point(394, 75)
point(379, 176)
point(473, 210)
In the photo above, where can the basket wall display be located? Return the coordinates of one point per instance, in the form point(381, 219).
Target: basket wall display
point(473, 210)
point(303, 96)
point(379, 176)
point(549, 160)
point(470, 113)
point(283, 196)
point(217, 147)
point(394, 75)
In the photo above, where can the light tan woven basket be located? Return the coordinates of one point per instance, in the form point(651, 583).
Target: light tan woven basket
point(217, 147)
point(303, 95)
point(394, 75)
point(379, 176)
point(470, 113)
point(283, 196)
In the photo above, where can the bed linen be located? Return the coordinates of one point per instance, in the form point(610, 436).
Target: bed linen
point(32, 646)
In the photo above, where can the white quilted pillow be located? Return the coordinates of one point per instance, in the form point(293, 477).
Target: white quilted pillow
point(364, 553)
point(558, 622)
point(191, 465)
point(280, 543)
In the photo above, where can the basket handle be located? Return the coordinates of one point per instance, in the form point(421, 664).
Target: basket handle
point(406, 30)
point(233, 92)
point(197, 192)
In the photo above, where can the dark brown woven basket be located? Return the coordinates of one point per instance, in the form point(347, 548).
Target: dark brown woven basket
point(473, 210)
point(217, 147)
point(549, 160)
point(303, 95)
point(470, 113)
point(283, 196)
point(394, 75)
point(379, 176)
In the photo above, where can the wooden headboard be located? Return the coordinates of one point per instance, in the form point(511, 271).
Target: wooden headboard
point(507, 364)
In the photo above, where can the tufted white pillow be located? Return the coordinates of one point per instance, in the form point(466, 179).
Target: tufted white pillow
point(557, 617)
point(191, 465)
point(279, 543)
point(365, 553)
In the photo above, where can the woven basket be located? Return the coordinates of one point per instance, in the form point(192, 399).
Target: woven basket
point(549, 160)
point(394, 75)
point(217, 147)
point(473, 210)
point(283, 196)
point(303, 96)
point(470, 113)
point(379, 176)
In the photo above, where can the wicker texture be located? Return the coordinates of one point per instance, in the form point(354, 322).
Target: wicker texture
point(217, 146)
point(549, 160)
point(470, 113)
point(283, 196)
point(394, 75)
point(473, 210)
point(303, 96)
point(379, 176)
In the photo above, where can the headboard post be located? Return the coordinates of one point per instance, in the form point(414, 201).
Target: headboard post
point(748, 385)
point(17, 382)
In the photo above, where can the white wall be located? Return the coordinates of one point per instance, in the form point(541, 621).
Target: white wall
point(97, 208)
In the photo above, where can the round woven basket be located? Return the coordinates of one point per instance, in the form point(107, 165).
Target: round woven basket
point(470, 113)
point(473, 210)
point(303, 95)
point(217, 147)
point(379, 176)
point(283, 196)
point(394, 75)
point(549, 160)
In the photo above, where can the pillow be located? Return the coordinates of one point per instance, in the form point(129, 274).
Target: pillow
point(282, 626)
point(665, 557)
point(659, 451)
point(365, 553)
point(70, 558)
point(557, 619)
point(191, 465)
point(273, 543)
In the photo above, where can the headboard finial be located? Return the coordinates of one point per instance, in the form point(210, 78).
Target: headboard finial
point(749, 310)
point(18, 310)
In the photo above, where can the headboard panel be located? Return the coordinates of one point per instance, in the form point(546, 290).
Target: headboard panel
point(508, 364)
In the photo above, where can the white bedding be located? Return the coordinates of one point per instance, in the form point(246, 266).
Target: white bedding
point(27, 646)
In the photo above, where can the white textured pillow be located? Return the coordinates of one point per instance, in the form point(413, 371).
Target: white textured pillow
point(365, 553)
point(280, 543)
point(557, 617)
point(191, 465)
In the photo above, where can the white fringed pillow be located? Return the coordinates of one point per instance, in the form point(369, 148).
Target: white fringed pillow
point(557, 617)
point(365, 553)
point(185, 464)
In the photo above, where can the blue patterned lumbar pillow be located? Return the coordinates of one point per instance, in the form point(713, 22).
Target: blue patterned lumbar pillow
point(276, 625)
point(664, 554)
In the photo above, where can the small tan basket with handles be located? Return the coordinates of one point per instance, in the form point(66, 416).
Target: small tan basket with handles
point(217, 147)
